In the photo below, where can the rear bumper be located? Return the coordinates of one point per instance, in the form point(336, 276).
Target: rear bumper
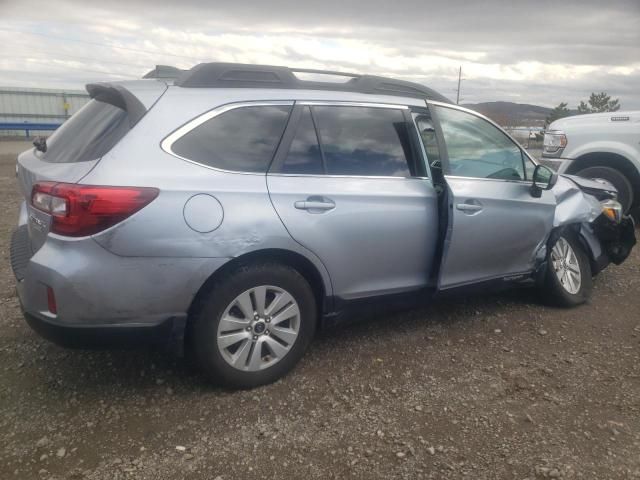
point(168, 333)
point(103, 299)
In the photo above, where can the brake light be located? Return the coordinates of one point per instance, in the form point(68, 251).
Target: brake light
point(81, 210)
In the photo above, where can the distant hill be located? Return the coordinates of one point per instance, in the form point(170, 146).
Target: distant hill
point(509, 114)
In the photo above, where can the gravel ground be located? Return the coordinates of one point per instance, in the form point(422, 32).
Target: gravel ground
point(478, 387)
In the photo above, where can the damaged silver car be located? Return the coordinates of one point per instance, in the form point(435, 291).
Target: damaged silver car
point(238, 208)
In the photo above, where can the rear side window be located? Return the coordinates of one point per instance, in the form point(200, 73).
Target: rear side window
point(364, 141)
point(87, 135)
point(304, 155)
point(243, 139)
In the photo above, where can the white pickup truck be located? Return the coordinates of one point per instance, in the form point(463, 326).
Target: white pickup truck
point(599, 145)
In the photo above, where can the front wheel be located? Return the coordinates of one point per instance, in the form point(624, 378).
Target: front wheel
point(255, 325)
point(568, 279)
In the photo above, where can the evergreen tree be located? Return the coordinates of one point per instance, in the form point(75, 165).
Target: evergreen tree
point(560, 111)
point(599, 102)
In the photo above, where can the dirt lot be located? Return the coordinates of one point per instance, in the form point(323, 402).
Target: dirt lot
point(491, 386)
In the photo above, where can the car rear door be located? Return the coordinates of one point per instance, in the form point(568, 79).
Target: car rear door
point(495, 226)
point(347, 184)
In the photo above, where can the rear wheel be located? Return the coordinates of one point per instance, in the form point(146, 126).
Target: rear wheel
point(568, 279)
point(255, 325)
point(617, 179)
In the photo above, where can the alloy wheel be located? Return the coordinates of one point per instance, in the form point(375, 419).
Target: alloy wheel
point(258, 328)
point(566, 266)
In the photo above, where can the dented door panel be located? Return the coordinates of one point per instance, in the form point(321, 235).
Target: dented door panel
point(495, 230)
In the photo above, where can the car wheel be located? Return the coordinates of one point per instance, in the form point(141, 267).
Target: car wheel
point(568, 279)
point(255, 325)
point(617, 179)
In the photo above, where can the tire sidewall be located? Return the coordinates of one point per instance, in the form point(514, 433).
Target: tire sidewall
point(617, 178)
point(554, 289)
point(207, 319)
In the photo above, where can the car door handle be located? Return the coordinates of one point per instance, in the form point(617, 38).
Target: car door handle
point(314, 205)
point(469, 207)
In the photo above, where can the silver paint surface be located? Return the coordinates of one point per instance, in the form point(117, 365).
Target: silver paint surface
point(381, 236)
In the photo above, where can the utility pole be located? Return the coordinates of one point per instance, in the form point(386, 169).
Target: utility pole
point(459, 79)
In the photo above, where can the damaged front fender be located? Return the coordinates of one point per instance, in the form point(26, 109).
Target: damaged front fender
point(573, 205)
point(578, 204)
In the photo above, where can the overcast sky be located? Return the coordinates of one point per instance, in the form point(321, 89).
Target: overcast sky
point(540, 52)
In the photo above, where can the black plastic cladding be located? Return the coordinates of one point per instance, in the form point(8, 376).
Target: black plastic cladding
point(238, 75)
point(164, 72)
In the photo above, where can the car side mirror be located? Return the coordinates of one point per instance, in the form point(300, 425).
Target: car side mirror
point(543, 179)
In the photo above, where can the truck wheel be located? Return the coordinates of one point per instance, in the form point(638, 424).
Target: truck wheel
point(622, 184)
point(568, 279)
point(255, 325)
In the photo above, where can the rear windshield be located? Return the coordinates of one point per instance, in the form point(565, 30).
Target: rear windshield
point(88, 134)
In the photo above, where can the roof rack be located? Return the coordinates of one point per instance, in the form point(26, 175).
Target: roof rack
point(238, 75)
point(164, 72)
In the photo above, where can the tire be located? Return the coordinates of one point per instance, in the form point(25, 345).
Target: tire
point(622, 183)
point(568, 279)
point(270, 343)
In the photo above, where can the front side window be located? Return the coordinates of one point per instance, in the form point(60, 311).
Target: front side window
point(427, 132)
point(529, 167)
point(243, 139)
point(363, 141)
point(477, 148)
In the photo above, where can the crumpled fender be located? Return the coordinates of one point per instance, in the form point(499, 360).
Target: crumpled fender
point(573, 205)
point(575, 209)
point(603, 240)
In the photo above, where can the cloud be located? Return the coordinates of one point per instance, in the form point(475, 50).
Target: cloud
point(543, 52)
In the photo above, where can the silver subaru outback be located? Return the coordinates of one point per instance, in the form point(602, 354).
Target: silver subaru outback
point(236, 209)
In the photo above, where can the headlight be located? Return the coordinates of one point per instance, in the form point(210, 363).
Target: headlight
point(612, 210)
point(554, 141)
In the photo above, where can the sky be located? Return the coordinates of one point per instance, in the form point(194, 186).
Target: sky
point(539, 52)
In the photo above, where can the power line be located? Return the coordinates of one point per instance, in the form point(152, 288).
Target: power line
point(85, 70)
point(102, 44)
point(54, 54)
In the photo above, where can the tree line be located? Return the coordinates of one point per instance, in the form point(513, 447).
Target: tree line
point(597, 103)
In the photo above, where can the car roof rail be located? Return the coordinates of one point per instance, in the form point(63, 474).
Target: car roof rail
point(238, 75)
point(164, 72)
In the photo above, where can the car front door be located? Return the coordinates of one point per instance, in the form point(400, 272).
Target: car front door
point(495, 226)
point(346, 182)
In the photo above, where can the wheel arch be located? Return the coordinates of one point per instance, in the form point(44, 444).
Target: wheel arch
point(611, 160)
point(552, 283)
point(588, 240)
point(292, 259)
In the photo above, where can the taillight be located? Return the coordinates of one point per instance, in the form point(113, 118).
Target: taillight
point(81, 210)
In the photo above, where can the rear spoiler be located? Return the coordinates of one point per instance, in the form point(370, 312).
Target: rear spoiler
point(120, 97)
